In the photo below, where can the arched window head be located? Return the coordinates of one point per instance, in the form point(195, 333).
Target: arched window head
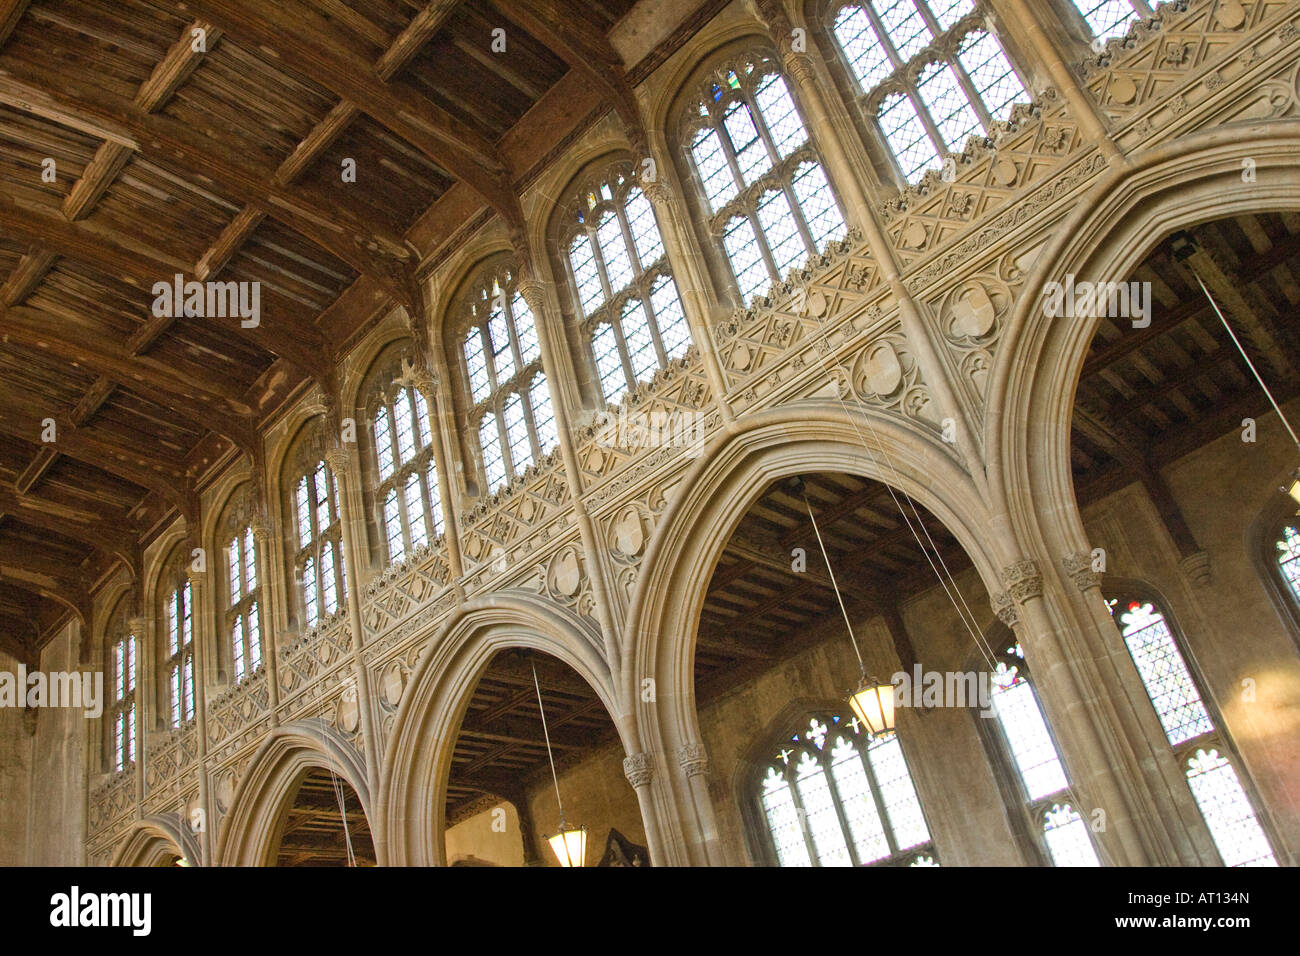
point(317, 531)
point(834, 795)
point(1026, 740)
point(929, 72)
point(406, 473)
point(769, 203)
point(510, 405)
point(1198, 745)
point(177, 619)
point(1111, 18)
point(622, 286)
point(122, 659)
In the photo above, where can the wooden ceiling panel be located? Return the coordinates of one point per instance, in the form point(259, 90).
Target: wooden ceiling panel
point(290, 267)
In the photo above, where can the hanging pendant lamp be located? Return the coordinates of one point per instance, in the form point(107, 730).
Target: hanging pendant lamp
point(569, 844)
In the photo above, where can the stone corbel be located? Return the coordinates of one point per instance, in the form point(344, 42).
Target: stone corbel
point(1196, 568)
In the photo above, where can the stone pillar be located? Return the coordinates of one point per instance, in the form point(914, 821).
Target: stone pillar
point(340, 461)
point(694, 763)
point(1080, 699)
point(202, 612)
point(639, 769)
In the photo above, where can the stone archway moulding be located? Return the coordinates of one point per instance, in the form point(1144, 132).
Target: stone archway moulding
point(716, 493)
point(154, 839)
point(250, 831)
point(413, 779)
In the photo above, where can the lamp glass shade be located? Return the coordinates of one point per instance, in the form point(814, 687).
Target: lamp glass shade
point(1293, 489)
point(570, 846)
point(873, 703)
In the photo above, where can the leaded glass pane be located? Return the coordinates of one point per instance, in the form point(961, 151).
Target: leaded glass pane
point(948, 12)
point(250, 562)
point(715, 174)
point(867, 55)
point(859, 805)
point(778, 111)
point(674, 331)
point(521, 453)
point(1227, 810)
point(405, 428)
point(746, 257)
point(990, 70)
point(303, 501)
point(383, 443)
point(906, 136)
point(948, 105)
point(585, 273)
point(820, 210)
point(311, 610)
point(613, 247)
point(1107, 18)
point(906, 821)
point(819, 812)
point(783, 821)
point(1026, 733)
point(489, 438)
point(782, 232)
point(1067, 837)
point(254, 637)
point(609, 365)
point(476, 363)
point(235, 563)
point(237, 641)
point(503, 359)
point(640, 347)
point(322, 499)
point(424, 435)
point(526, 329)
point(415, 511)
point(539, 397)
point(1164, 673)
point(329, 587)
point(645, 229)
point(393, 526)
point(751, 154)
point(435, 496)
point(905, 26)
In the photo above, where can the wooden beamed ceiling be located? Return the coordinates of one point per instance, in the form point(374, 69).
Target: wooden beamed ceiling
point(207, 138)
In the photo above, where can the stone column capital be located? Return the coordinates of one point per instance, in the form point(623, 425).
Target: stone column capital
point(1023, 580)
point(338, 458)
point(639, 769)
point(1078, 565)
point(1196, 568)
point(137, 625)
point(1005, 608)
point(693, 760)
point(533, 292)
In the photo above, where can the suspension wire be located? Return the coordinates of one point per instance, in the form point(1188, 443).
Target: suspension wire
point(549, 756)
point(831, 571)
point(1254, 371)
point(948, 584)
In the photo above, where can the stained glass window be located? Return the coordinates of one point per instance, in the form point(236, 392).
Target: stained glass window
point(630, 313)
point(510, 412)
point(319, 558)
point(122, 658)
point(767, 196)
point(1038, 764)
point(243, 616)
point(1288, 557)
point(178, 621)
point(1110, 18)
point(929, 72)
point(408, 493)
point(834, 795)
point(1196, 742)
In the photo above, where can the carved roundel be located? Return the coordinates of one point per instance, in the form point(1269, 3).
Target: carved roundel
point(392, 681)
point(347, 713)
point(564, 577)
point(880, 371)
point(224, 791)
point(972, 312)
point(629, 533)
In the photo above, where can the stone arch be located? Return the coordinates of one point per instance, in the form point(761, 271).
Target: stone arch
point(695, 528)
point(250, 830)
point(151, 841)
point(1031, 397)
point(413, 780)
